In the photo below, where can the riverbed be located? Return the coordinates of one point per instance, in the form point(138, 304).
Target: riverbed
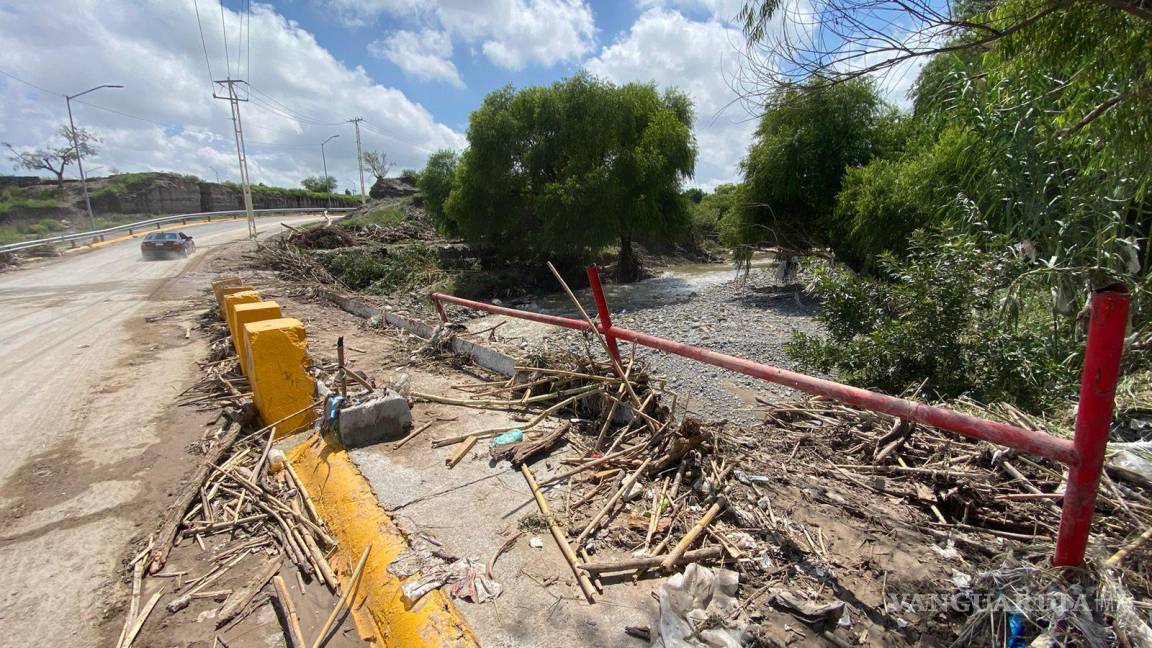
point(708, 305)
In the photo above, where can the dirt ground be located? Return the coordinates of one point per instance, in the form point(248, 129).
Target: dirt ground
point(94, 446)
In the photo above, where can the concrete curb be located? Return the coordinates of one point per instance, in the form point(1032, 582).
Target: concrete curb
point(490, 359)
point(353, 514)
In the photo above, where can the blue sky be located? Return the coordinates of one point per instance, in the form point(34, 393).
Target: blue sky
point(414, 69)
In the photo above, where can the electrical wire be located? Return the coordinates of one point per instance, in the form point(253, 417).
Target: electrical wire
point(203, 43)
point(224, 28)
point(30, 84)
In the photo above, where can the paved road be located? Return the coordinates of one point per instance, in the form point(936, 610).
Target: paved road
point(86, 441)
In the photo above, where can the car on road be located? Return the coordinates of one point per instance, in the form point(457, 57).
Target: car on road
point(158, 245)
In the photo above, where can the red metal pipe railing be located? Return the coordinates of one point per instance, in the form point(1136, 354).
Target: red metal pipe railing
point(1102, 354)
point(1084, 455)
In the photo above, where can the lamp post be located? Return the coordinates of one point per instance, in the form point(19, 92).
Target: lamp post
point(324, 158)
point(76, 147)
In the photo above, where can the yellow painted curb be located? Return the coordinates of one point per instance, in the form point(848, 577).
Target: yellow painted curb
point(345, 500)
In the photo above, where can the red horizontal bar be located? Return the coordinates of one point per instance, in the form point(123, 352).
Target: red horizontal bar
point(1031, 441)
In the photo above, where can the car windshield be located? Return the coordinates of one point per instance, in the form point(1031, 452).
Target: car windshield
point(162, 236)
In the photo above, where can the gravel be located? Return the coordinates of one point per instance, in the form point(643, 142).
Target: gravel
point(751, 319)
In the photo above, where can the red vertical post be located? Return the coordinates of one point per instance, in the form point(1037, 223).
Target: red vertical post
point(1109, 319)
point(602, 311)
point(439, 308)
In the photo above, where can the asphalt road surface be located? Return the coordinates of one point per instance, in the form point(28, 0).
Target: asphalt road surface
point(89, 446)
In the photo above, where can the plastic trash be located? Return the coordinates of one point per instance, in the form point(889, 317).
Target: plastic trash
point(511, 436)
point(275, 461)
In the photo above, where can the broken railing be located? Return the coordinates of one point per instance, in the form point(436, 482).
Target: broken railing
point(1083, 454)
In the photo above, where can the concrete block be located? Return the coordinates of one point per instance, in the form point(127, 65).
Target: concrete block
point(277, 372)
point(385, 417)
point(231, 301)
point(243, 314)
point(219, 285)
point(224, 292)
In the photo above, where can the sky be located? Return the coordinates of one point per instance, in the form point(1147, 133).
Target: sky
point(413, 69)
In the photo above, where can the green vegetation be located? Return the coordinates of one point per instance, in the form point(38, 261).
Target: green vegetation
point(931, 321)
point(382, 216)
point(558, 172)
point(380, 271)
point(318, 184)
point(1020, 178)
point(435, 182)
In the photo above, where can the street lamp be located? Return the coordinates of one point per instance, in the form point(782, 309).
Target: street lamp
point(76, 146)
point(324, 158)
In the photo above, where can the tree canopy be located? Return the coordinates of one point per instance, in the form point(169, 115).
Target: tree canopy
point(319, 184)
point(560, 171)
point(797, 161)
point(435, 182)
point(56, 158)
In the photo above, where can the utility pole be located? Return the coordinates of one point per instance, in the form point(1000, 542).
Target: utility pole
point(238, 130)
point(359, 158)
point(76, 147)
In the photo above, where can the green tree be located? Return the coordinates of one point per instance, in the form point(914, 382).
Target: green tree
point(319, 184)
point(795, 166)
point(56, 158)
point(435, 182)
point(563, 170)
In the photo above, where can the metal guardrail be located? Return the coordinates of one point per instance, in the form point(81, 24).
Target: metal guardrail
point(156, 223)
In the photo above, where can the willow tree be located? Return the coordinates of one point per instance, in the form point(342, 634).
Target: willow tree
point(561, 171)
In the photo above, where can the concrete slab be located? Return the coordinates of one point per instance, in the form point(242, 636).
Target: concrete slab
point(474, 508)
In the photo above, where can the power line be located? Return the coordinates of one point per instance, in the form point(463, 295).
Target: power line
point(271, 103)
point(30, 84)
point(224, 28)
point(203, 43)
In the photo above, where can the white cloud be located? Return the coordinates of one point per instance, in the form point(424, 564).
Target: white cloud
point(513, 34)
point(697, 57)
point(304, 93)
point(516, 33)
point(426, 55)
point(723, 10)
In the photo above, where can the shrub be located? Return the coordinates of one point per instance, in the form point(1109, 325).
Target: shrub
point(932, 321)
point(382, 272)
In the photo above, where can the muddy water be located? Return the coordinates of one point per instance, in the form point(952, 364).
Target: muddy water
point(674, 284)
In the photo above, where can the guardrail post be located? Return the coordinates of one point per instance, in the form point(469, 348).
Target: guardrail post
point(1105, 346)
point(602, 311)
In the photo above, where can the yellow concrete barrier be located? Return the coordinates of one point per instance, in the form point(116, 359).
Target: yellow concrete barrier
point(277, 372)
point(219, 285)
point(225, 291)
point(243, 314)
point(345, 501)
point(247, 296)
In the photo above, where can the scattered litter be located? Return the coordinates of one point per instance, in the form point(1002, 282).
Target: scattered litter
point(536, 543)
point(695, 606)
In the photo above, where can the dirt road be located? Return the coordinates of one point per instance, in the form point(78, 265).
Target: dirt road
point(90, 444)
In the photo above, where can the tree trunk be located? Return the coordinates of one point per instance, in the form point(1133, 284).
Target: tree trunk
point(627, 266)
point(59, 177)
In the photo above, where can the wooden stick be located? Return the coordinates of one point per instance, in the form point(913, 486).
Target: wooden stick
point(592, 464)
point(353, 584)
point(707, 553)
point(295, 634)
point(308, 505)
point(558, 535)
point(239, 599)
point(600, 515)
point(675, 555)
point(501, 404)
point(258, 469)
point(413, 435)
point(439, 443)
point(504, 547)
point(1115, 559)
point(460, 453)
point(139, 623)
point(175, 514)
